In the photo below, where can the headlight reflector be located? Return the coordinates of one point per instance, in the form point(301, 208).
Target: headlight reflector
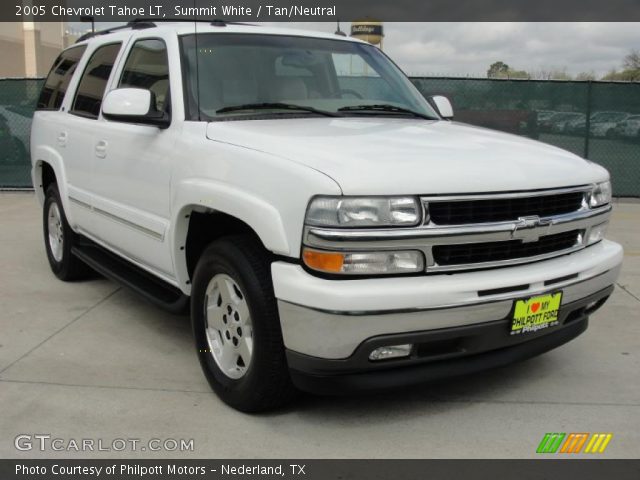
point(364, 263)
point(600, 195)
point(363, 212)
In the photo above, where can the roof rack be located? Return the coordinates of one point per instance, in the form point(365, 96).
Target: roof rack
point(137, 24)
point(143, 23)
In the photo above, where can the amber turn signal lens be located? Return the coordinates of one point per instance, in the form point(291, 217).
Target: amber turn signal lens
point(323, 261)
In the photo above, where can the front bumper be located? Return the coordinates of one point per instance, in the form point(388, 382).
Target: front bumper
point(330, 326)
point(439, 353)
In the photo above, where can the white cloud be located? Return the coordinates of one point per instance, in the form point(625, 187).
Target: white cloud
point(469, 48)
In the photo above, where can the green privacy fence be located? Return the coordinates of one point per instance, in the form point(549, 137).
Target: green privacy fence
point(596, 120)
point(18, 99)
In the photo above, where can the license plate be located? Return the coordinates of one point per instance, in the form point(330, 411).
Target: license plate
point(536, 313)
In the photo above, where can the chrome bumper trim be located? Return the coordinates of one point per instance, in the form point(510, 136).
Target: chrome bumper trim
point(336, 335)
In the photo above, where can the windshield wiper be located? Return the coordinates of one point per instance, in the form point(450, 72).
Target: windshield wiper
point(383, 107)
point(275, 106)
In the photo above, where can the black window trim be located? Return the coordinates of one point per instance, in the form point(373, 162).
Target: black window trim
point(88, 116)
point(128, 54)
point(83, 47)
point(133, 45)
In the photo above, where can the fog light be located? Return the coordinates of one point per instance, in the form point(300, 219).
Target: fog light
point(391, 351)
point(597, 233)
point(591, 305)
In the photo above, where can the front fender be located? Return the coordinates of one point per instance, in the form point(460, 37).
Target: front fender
point(211, 195)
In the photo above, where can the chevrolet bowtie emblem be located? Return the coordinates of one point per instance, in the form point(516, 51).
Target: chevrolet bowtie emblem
point(528, 229)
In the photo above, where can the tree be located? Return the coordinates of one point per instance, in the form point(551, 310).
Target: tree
point(498, 70)
point(553, 73)
point(584, 76)
point(502, 70)
point(632, 60)
point(631, 69)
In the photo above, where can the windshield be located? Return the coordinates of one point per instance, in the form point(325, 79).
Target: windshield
point(223, 71)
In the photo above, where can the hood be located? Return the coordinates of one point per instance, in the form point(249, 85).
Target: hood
point(385, 156)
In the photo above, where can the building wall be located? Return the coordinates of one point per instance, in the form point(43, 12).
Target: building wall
point(28, 49)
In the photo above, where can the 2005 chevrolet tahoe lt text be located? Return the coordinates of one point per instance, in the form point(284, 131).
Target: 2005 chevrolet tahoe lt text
point(328, 227)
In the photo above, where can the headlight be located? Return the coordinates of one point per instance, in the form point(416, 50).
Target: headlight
point(600, 195)
point(364, 263)
point(363, 212)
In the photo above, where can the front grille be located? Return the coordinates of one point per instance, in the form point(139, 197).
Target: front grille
point(461, 254)
point(459, 212)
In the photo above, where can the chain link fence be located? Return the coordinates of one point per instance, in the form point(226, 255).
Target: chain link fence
point(18, 99)
point(596, 120)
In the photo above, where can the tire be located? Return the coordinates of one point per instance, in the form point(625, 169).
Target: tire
point(59, 239)
point(232, 282)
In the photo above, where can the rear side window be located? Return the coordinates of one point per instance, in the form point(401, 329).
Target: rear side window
point(148, 67)
point(57, 82)
point(94, 81)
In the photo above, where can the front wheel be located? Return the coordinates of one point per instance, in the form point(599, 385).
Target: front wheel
point(236, 326)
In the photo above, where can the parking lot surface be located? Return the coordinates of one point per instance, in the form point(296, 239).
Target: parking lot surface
point(91, 360)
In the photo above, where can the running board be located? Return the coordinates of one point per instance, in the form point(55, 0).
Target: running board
point(115, 268)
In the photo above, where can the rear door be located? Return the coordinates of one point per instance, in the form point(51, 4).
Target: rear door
point(50, 131)
point(79, 127)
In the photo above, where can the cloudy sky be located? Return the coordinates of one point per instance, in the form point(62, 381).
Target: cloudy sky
point(462, 49)
point(469, 48)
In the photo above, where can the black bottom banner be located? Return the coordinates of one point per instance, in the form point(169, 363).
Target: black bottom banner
point(320, 469)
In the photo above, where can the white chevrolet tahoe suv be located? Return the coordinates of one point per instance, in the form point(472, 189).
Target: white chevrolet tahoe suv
point(328, 228)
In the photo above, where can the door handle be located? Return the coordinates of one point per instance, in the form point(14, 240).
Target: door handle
point(62, 139)
point(101, 149)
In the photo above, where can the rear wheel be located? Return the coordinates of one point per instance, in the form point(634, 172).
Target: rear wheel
point(59, 239)
point(237, 328)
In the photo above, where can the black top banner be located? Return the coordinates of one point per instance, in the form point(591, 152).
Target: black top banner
point(323, 10)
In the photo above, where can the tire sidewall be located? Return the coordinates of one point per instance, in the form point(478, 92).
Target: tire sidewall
point(220, 260)
point(60, 269)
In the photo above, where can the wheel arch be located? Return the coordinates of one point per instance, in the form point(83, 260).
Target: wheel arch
point(205, 211)
point(47, 169)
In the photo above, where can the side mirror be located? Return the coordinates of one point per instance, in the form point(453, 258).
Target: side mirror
point(134, 105)
point(443, 105)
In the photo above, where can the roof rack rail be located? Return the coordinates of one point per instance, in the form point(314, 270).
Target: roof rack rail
point(136, 24)
point(142, 23)
point(217, 22)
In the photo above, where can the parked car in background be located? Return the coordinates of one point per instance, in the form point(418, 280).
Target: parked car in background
point(13, 149)
point(603, 124)
point(521, 122)
point(543, 115)
point(628, 128)
point(557, 123)
point(15, 124)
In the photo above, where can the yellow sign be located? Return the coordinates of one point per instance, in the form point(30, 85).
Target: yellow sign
point(536, 313)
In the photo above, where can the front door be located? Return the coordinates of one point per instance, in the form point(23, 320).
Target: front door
point(132, 173)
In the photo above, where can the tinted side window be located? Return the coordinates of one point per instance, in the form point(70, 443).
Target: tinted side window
point(57, 82)
point(148, 67)
point(94, 81)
